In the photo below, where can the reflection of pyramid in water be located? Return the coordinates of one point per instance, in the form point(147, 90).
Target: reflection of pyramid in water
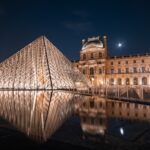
point(37, 113)
point(39, 65)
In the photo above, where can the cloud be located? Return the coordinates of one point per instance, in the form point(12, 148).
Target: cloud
point(80, 21)
point(79, 26)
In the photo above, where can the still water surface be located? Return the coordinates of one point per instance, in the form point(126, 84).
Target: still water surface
point(88, 121)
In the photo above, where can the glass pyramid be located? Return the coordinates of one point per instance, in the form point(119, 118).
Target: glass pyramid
point(39, 65)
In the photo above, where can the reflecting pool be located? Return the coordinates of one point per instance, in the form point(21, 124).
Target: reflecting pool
point(78, 120)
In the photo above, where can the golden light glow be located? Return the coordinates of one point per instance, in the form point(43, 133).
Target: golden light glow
point(40, 65)
point(36, 113)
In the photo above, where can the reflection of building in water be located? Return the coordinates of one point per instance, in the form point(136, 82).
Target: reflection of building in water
point(94, 113)
point(128, 110)
point(36, 113)
point(93, 116)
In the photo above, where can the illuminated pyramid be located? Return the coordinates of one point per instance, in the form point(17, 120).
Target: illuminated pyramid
point(39, 65)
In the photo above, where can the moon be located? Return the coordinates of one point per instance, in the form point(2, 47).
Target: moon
point(121, 131)
point(119, 44)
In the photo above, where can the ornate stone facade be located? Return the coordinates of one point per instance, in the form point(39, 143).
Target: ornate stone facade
point(101, 69)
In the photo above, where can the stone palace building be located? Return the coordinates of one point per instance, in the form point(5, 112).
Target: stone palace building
point(102, 69)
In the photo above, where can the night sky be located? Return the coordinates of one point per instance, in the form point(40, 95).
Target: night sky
point(66, 22)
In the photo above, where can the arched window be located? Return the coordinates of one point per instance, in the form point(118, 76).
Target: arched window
point(127, 81)
point(91, 71)
point(135, 81)
point(119, 81)
point(84, 56)
point(100, 55)
point(111, 81)
point(144, 81)
point(100, 71)
point(91, 104)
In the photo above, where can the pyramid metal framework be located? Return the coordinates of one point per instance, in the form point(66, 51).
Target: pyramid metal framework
point(39, 65)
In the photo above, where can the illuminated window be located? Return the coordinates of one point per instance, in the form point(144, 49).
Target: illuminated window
point(135, 81)
point(119, 81)
point(91, 71)
point(144, 81)
point(112, 70)
point(100, 55)
point(127, 81)
point(119, 70)
point(84, 57)
point(143, 69)
point(134, 70)
point(111, 81)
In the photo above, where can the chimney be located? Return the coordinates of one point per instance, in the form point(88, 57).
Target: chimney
point(105, 46)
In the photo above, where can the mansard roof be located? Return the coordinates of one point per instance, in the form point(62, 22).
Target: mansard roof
point(90, 42)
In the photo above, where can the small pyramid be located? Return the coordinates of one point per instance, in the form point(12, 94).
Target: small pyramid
point(39, 65)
